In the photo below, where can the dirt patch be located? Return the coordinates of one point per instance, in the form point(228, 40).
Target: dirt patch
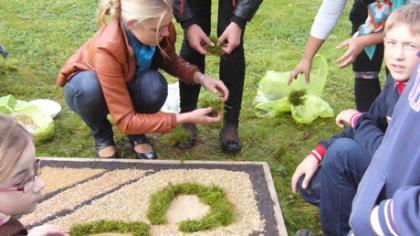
point(186, 207)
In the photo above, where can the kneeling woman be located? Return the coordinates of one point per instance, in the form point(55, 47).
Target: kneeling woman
point(116, 72)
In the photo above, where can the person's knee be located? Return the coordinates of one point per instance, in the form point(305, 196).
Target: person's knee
point(84, 90)
point(341, 153)
point(311, 193)
point(150, 91)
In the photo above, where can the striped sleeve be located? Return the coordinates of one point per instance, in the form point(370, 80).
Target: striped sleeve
point(319, 152)
point(386, 218)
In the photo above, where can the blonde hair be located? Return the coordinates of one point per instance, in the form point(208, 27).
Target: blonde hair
point(13, 141)
point(408, 15)
point(138, 11)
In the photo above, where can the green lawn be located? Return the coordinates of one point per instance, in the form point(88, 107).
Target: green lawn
point(40, 35)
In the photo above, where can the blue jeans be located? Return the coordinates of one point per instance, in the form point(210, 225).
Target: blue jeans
point(334, 185)
point(83, 94)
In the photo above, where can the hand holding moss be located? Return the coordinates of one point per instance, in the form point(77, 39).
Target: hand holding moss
point(214, 102)
point(212, 85)
point(216, 49)
point(198, 116)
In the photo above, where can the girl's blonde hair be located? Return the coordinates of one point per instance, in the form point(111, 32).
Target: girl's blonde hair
point(13, 141)
point(138, 11)
point(408, 15)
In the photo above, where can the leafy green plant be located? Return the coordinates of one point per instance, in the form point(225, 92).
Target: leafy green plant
point(221, 211)
point(110, 226)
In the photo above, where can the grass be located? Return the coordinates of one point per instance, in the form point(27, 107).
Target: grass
point(110, 226)
point(41, 35)
point(221, 211)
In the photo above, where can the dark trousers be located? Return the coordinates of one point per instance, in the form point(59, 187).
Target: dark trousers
point(334, 185)
point(231, 67)
point(83, 94)
point(366, 85)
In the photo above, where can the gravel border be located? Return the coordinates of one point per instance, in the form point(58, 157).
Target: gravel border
point(259, 173)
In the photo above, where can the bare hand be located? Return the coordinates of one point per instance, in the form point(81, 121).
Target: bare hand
point(307, 167)
point(344, 117)
point(198, 116)
point(304, 67)
point(231, 35)
point(215, 86)
point(198, 39)
point(48, 230)
point(354, 48)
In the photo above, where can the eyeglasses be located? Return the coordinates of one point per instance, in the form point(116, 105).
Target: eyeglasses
point(27, 184)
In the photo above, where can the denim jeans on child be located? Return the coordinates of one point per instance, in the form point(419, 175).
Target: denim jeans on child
point(334, 185)
point(83, 94)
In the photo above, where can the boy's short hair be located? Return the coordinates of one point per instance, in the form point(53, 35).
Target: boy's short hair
point(409, 15)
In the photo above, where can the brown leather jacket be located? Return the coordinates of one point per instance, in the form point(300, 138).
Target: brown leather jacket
point(12, 228)
point(111, 57)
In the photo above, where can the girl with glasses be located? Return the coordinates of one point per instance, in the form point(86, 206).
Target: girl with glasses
point(20, 187)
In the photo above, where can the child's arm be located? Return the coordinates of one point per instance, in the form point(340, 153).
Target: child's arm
point(325, 20)
point(368, 130)
point(310, 164)
point(399, 215)
point(355, 46)
point(307, 167)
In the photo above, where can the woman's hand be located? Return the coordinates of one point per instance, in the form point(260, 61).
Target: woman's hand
point(197, 39)
point(354, 48)
point(345, 117)
point(213, 85)
point(304, 67)
point(198, 116)
point(307, 167)
point(48, 230)
point(231, 35)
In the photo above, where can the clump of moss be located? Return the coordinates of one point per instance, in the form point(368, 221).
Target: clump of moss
point(221, 209)
point(217, 49)
point(296, 97)
point(110, 226)
point(177, 136)
point(214, 102)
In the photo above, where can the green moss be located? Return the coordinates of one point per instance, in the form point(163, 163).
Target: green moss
point(221, 209)
point(215, 50)
point(296, 97)
point(176, 136)
point(110, 226)
point(211, 100)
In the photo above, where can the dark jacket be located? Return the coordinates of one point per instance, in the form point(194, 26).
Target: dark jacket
point(392, 179)
point(371, 126)
point(244, 11)
point(109, 54)
point(13, 228)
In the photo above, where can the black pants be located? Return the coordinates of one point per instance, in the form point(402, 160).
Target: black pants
point(231, 67)
point(366, 84)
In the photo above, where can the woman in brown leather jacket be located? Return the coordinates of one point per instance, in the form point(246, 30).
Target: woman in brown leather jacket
point(116, 72)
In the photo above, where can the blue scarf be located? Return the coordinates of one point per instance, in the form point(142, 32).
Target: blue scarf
point(142, 53)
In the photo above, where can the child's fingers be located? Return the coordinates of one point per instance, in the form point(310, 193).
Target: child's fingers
point(292, 76)
point(343, 44)
point(307, 77)
point(347, 62)
point(307, 179)
point(294, 181)
point(207, 40)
